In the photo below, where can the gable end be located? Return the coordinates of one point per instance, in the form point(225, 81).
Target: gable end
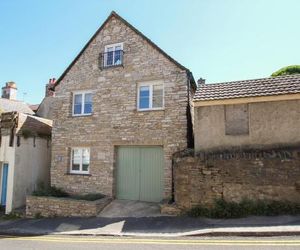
point(114, 14)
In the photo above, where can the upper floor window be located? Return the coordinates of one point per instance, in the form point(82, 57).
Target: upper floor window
point(150, 96)
point(113, 55)
point(80, 160)
point(82, 103)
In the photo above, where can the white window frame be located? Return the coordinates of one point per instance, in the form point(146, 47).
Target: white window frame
point(150, 84)
point(114, 45)
point(81, 92)
point(80, 171)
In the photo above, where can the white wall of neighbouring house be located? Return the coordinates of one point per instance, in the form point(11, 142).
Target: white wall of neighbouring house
point(32, 166)
point(7, 155)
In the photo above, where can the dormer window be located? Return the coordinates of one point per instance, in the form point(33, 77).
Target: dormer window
point(112, 56)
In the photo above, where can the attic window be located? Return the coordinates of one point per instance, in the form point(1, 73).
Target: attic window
point(112, 56)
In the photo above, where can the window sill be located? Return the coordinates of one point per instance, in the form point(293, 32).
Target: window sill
point(112, 66)
point(79, 174)
point(82, 115)
point(147, 110)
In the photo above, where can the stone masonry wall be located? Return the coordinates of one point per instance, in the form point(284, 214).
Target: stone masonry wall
point(63, 207)
point(115, 120)
point(257, 175)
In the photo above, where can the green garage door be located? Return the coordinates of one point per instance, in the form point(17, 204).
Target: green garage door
point(140, 173)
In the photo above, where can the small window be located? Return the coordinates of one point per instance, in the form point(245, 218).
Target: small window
point(150, 96)
point(113, 55)
point(82, 103)
point(80, 160)
point(236, 119)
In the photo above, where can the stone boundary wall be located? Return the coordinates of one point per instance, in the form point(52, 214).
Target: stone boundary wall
point(63, 207)
point(272, 174)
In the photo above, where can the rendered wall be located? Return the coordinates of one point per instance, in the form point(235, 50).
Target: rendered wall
point(270, 123)
point(32, 166)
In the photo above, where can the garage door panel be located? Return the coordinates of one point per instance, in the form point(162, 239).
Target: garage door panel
point(151, 174)
point(128, 183)
point(140, 173)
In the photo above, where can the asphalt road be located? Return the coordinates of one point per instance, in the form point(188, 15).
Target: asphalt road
point(127, 243)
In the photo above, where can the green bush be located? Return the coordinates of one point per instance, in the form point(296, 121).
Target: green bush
point(224, 209)
point(42, 190)
point(11, 216)
point(289, 70)
point(53, 191)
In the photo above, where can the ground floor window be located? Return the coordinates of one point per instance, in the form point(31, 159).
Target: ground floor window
point(80, 160)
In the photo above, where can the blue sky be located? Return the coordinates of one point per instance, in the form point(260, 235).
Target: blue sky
point(219, 40)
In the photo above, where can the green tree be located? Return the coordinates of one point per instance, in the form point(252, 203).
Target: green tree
point(288, 70)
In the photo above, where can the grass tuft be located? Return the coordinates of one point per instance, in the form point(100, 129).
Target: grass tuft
point(225, 209)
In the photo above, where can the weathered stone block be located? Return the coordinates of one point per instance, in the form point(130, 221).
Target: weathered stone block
point(63, 207)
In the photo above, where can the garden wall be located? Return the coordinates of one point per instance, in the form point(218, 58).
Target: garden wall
point(233, 175)
point(63, 207)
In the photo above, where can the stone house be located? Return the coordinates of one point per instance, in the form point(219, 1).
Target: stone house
point(257, 113)
point(122, 108)
point(24, 150)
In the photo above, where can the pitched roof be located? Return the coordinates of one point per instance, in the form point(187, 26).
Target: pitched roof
point(34, 107)
point(37, 126)
point(271, 86)
point(7, 105)
point(114, 14)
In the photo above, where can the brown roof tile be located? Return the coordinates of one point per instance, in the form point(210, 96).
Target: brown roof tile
point(281, 85)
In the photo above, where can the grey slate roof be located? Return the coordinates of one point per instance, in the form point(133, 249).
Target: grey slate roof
point(281, 85)
point(7, 105)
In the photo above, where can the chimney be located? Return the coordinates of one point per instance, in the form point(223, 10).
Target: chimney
point(9, 91)
point(201, 81)
point(49, 87)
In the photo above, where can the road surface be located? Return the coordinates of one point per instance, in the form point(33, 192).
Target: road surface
point(128, 243)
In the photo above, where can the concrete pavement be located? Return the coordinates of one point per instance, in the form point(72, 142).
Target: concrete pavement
point(153, 226)
point(127, 208)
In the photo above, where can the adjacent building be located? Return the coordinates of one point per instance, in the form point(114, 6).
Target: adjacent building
point(25, 150)
point(257, 113)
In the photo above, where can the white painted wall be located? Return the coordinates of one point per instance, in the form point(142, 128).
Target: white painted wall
point(28, 166)
point(7, 155)
point(32, 166)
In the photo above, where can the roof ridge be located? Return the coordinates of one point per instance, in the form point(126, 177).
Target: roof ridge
point(251, 80)
point(12, 100)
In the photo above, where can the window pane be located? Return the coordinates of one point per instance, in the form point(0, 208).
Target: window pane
point(76, 158)
point(118, 58)
point(144, 91)
point(77, 109)
point(109, 58)
point(78, 99)
point(77, 103)
point(85, 159)
point(144, 101)
point(88, 104)
point(157, 96)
